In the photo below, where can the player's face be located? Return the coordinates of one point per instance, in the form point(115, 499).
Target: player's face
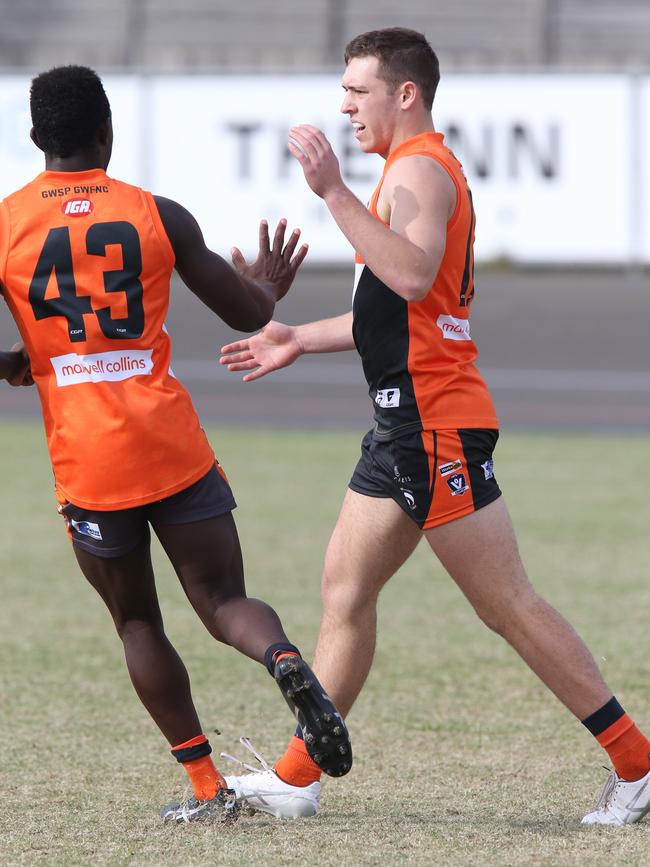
point(372, 108)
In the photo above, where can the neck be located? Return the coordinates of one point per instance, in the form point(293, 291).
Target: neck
point(81, 162)
point(416, 126)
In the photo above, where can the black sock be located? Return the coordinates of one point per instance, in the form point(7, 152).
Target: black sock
point(274, 649)
point(604, 717)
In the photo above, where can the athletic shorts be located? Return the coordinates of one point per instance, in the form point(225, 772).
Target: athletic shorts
point(434, 476)
point(113, 534)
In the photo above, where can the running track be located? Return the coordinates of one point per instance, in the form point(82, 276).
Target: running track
point(561, 350)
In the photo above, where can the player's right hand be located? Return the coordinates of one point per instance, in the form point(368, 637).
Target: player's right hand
point(276, 346)
point(22, 371)
point(275, 265)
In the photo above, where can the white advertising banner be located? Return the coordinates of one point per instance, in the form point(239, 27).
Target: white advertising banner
point(552, 159)
point(641, 149)
point(221, 149)
point(539, 152)
point(20, 159)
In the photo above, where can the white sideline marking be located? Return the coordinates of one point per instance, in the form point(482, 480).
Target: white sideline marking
point(346, 373)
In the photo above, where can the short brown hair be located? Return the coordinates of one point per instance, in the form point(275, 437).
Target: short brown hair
point(403, 54)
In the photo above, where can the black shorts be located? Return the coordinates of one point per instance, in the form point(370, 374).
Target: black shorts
point(113, 534)
point(435, 476)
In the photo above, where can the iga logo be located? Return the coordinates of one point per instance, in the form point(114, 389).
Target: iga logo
point(77, 207)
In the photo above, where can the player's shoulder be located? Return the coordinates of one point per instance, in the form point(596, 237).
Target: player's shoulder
point(421, 174)
point(179, 223)
point(416, 164)
point(168, 207)
point(121, 186)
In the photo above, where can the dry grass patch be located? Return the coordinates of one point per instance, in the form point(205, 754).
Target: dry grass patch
point(462, 758)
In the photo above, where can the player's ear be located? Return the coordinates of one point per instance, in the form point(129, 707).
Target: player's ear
point(105, 139)
point(105, 131)
point(408, 94)
point(34, 138)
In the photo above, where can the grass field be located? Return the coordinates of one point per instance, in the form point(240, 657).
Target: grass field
point(462, 758)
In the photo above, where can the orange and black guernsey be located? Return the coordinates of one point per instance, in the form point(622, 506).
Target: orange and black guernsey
point(85, 267)
point(418, 357)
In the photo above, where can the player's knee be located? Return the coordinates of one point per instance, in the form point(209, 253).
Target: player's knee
point(344, 595)
point(493, 619)
point(508, 615)
point(135, 628)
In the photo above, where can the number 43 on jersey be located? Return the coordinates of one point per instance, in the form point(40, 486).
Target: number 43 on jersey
point(56, 256)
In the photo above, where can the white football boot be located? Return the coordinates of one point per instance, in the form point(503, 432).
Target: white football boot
point(621, 802)
point(265, 792)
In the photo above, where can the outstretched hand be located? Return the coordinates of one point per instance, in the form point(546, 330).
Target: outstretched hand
point(276, 346)
point(274, 265)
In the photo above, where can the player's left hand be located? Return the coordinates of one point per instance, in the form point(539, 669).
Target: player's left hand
point(21, 373)
point(319, 163)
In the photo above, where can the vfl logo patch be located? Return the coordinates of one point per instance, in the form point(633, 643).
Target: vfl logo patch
point(72, 369)
point(452, 328)
point(87, 528)
point(457, 484)
point(488, 469)
point(445, 469)
point(387, 397)
point(77, 207)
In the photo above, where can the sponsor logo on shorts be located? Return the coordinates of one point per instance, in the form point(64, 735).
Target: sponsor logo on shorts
point(410, 499)
point(400, 479)
point(387, 397)
point(87, 528)
point(445, 469)
point(488, 469)
point(453, 328)
point(112, 366)
point(77, 207)
point(457, 484)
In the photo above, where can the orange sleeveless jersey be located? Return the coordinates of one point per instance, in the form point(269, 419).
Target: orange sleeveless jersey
point(418, 357)
point(85, 267)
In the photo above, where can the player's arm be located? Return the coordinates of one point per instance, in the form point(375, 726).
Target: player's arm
point(419, 196)
point(15, 366)
point(243, 296)
point(279, 345)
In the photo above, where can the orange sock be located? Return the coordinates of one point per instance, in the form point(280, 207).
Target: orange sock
point(627, 747)
point(282, 655)
point(296, 767)
point(205, 778)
